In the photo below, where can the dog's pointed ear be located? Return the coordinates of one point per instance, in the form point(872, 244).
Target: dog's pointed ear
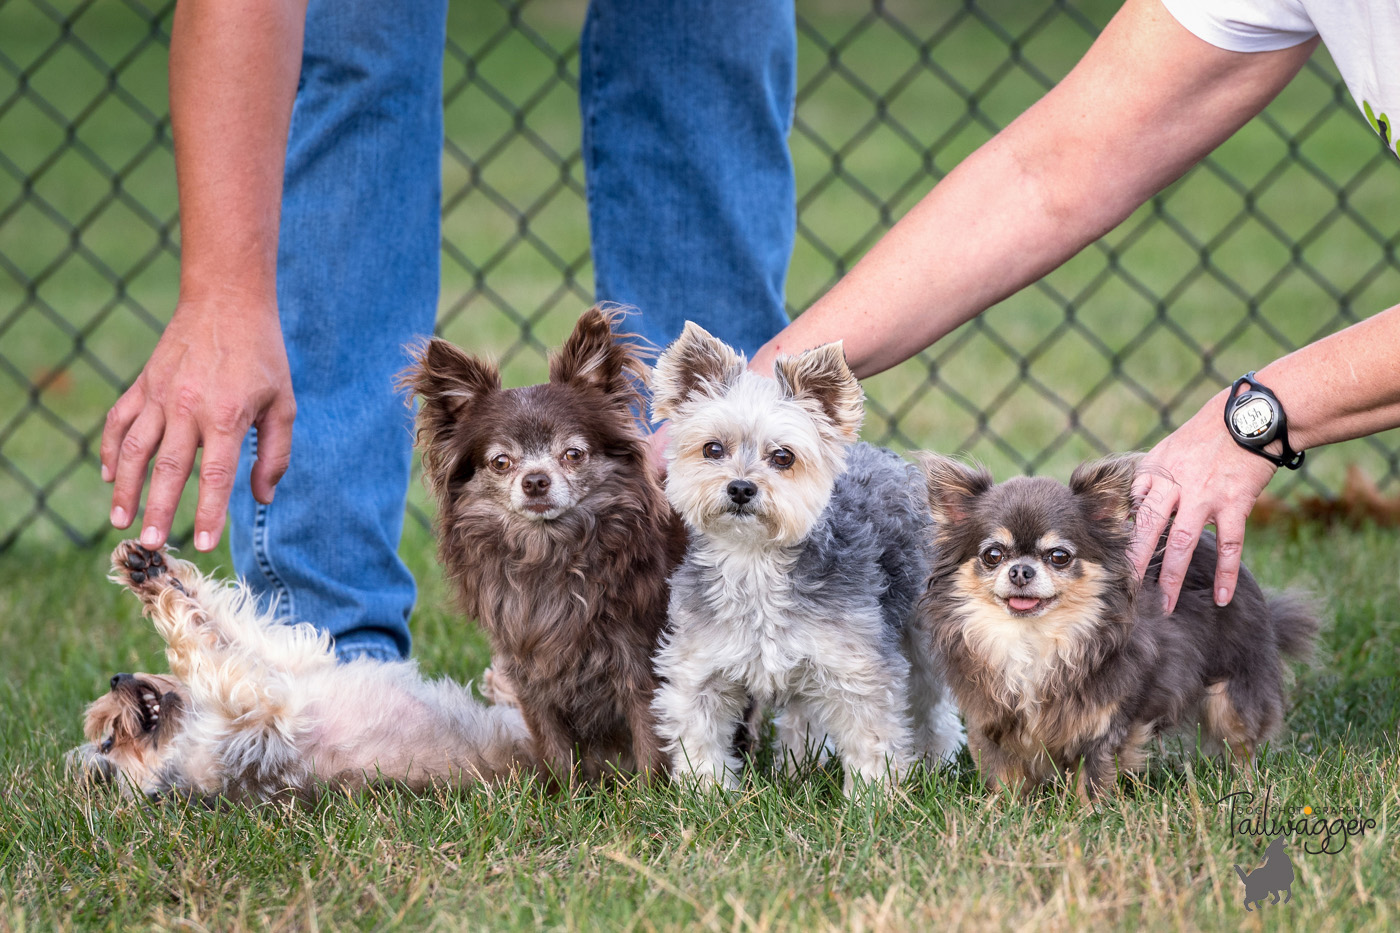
point(952, 486)
point(596, 356)
point(1107, 485)
point(448, 380)
point(822, 377)
point(696, 363)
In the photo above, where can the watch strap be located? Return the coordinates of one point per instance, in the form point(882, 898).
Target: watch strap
point(1291, 459)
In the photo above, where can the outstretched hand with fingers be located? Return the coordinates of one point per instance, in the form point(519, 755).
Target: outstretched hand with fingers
point(1196, 476)
point(217, 370)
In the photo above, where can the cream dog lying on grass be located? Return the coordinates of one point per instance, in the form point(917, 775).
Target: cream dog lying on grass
point(255, 709)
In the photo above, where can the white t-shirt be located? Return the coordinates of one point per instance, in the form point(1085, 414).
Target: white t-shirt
point(1363, 37)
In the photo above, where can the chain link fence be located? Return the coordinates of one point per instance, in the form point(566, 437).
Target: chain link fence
point(1280, 237)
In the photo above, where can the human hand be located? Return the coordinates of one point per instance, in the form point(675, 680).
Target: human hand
point(217, 370)
point(1200, 475)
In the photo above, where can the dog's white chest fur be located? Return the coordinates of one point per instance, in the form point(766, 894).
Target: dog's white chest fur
point(758, 637)
point(1015, 649)
point(1026, 655)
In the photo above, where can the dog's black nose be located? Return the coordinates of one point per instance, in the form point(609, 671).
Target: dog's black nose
point(535, 483)
point(119, 679)
point(741, 491)
point(1021, 574)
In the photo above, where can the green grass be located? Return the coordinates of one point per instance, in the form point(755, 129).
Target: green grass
point(970, 394)
point(779, 856)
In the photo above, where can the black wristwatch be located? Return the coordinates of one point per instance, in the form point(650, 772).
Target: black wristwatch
point(1255, 419)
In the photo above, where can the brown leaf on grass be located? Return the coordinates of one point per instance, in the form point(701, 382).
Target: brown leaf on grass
point(1360, 500)
point(55, 381)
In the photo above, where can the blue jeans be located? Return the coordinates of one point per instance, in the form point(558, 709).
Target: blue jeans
point(686, 110)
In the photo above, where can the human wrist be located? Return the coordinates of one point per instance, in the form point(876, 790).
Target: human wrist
point(241, 293)
point(1255, 420)
point(1303, 431)
point(252, 309)
point(1223, 448)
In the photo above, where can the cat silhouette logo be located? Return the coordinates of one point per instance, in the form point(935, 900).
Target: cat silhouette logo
point(1273, 878)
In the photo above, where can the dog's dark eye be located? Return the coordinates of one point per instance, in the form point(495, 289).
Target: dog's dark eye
point(500, 463)
point(1060, 557)
point(992, 556)
point(106, 745)
point(713, 450)
point(782, 458)
point(573, 455)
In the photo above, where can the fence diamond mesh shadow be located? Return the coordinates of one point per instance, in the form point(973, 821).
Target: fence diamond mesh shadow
point(1278, 238)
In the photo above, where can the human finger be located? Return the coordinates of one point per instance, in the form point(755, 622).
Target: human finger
point(119, 419)
point(1181, 544)
point(274, 449)
point(133, 454)
point(1229, 540)
point(1157, 502)
point(169, 472)
point(218, 467)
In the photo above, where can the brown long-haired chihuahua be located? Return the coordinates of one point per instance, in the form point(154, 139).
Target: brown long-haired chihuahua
point(1061, 661)
point(553, 527)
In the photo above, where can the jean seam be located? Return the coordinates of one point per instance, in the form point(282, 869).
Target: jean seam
point(261, 554)
point(590, 119)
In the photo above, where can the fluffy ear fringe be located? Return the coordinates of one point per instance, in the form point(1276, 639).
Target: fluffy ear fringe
point(445, 376)
point(952, 486)
point(449, 382)
point(597, 356)
point(821, 376)
point(696, 363)
point(1107, 485)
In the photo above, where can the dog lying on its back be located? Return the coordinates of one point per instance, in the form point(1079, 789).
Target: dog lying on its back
point(553, 527)
point(255, 709)
point(1060, 660)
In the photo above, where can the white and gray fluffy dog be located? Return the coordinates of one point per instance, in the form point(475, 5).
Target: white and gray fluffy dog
point(807, 554)
point(255, 709)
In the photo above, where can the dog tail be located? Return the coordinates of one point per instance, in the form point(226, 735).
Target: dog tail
point(1240, 871)
point(1295, 619)
point(499, 745)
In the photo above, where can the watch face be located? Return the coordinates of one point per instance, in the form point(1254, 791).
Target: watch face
point(1253, 417)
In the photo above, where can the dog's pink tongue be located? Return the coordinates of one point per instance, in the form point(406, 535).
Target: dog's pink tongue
point(1022, 603)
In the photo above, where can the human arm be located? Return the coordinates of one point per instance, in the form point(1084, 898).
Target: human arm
point(1343, 386)
point(1147, 102)
point(220, 366)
